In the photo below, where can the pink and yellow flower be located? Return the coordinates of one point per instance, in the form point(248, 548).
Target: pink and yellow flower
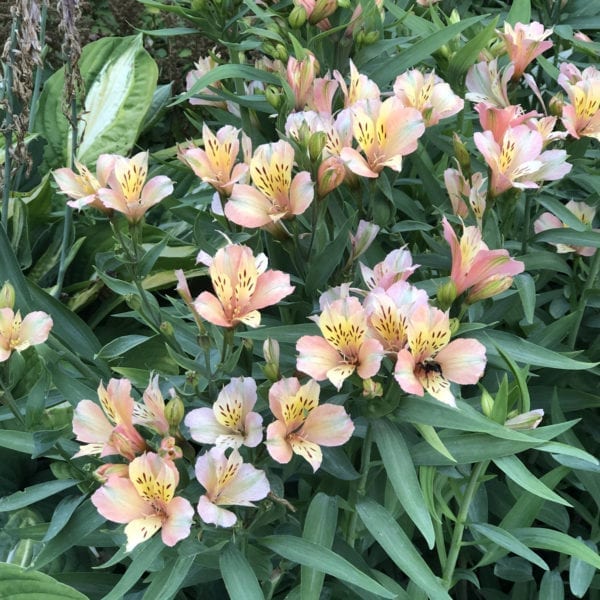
point(242, 284)
point(431, 361)
point(18, 334)
point(524, 43)
point(83, 187)
point(152, 413)
point(499, 119)
point(487, 84)
point(385, 132)
point(429, 94)
point(228, 482)
point(230, 423)
point(128, 192)
point(204, 66)
point(300, 77)
point(519, 161)
point(108, 429)
point(275, 195)
point(345, 347)
point(581, 117)
point(464, 193)
point(583, 212)
point(145, 500)
point(360, 88)
point(396, 266)
point(302, 426)
point(218, 163)
point(476, 268)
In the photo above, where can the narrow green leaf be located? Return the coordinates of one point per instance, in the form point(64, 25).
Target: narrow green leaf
point(552, 586)
point(238, 576)
point(520, 12)
point(21, 441)
point(171, 578)
point(526, 288)
point(572, 237)
point(506, 540)
point(430, 435)
point(312, 555)
point(391, 537)
point(319, 527)
point(401, 472)
point(17, 582)
point(581, 573)
point(34, 493)
point(515, 470)
point(282, 333)
point(119, 346)
point(558, 209)
point(61, 515)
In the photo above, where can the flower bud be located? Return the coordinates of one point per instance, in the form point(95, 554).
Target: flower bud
point(528, 420)
point(555, 106)
point(365, 235)
point(330, 175)
point(461, 153)
point(446, 295)
point(454, 325)
point(316, 143)
point(322, 9)
point(174, 412)
point(103, 472)
point(198, 5)
point(7, 296)
point(344, 3)
point(297, 17)
point(167, 329)
point(372, 389)
point(487, 403)
point(169, 449)
point(271, 354)
point(274, 96)
point(281, 52)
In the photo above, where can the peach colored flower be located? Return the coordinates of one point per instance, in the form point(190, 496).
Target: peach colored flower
point(345, 347)
point(317, 11)
point(204, 66)
point(360, 88)
point(243, 285)
point(581, 116)
point(365, 235)
point(302, 426)
point(583, 212)
point(429, 94)
point(464, 193)
point(128, 192)
point(228, 482)
point(18, 333)
point(485, 83)
point(151, 414)
point(385, 132)
point(275, 194)
point(524, 43)
point(499, 119)
point(230, 422)
point(83, 187)
point(396, 266)
point(477, 269)
point(431, 361)
point(300, 77)
point(145, 500)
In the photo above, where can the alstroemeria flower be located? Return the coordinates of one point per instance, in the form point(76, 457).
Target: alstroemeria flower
point(486, 84)
point(18, 334)
point(317, 11)
point(581, 117)
point(524, 43)
point(217, 164)
point(389, 311)
point(345, 346)
point(108, 429)
point(275, 194)
point(230, 423)
point(146, 501)
point(128, 191)
point(152, 413)
point(429, 94)
point(431, 361)
point(583, 212)
point(476, 268)
point(300, 76)
point(519, 161)
point(83, 187)
point(499, 119)
point(360, 88)
point(396, 266)
point(243, 285)
point(385, 132)
point(302, 426)
point(203, 66)
point(228, 482)
point(462, 191)
point(366, 232)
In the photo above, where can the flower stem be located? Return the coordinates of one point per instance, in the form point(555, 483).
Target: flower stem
point(461, 519)
point(526, 224)
point(591, 280)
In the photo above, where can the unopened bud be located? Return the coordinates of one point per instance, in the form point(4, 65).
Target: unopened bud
point(366, 38)
point(528, 420)
point(322, 9)
point(297, 17)
point(330, 175)
point(169, 449)
point(454, 325)
point(271, 354)
point(274, 96)
point(7, 296)
point(316, 143)
point(555, 106)
point(461, 153)
point(344, 3)
point(281, 52)
point(372, 389)
point(454, 17)
point(174, 412)
point(103, 472)
point(198, 5)
point(365, 235)
point(383, 211)
point(446, 295)
point(487, 403)
point(167, 329)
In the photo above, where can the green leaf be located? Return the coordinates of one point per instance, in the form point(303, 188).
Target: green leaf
point(171, 578)
point(558, 209)
point(520, 12)
point(515, 470)
point(397, 545)
point(34, 493)
point(283, 333)
point(21, 441)
point(312, 555)
point(319, 527)
point(61, 515)
point(506, 540)
point(571, 237)
point(401, 472)
point(526, 288)
point(552, 586)
point(581, 573)
point(119, 346)
point(238, 576)
point(17, 582)
point(430, 435)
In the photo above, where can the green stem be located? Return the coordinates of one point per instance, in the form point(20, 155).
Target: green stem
point(591, 280)
point(365, 465)
point(526, 224)
point(227, 344)
point(461, 519)
point(7, 398)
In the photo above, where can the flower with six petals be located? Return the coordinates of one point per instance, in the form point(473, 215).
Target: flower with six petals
point(17, 333)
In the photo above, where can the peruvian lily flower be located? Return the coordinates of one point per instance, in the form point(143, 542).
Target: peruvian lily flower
point(345, 346)
point(275, 195)
point(83, 187)
point(108, 429)
point(317, 11)
point(302, 426)
point(228, 482)
point(476, 268)
point(203, 66)
point(385, 132)
point(243, 285)
point(128, 191)
point(365, 235)
point(146, 501)
point(581, 117)
point(360, 88)
point(152, 413)
point(429, 94)
point(217, 164)
point(499, 119)
point(230, 423)
point(524, 43)
point(462, 191)
point(486, 84)
point(583, 212)
point(18, 334)
point(431, 361)
point(519, 161)
point(396, 266)
point(300, 77)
